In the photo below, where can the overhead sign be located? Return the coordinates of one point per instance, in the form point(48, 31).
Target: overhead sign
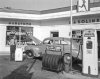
point(89, 33)
point(19, 23)
point(86, 20)
point(83, 5)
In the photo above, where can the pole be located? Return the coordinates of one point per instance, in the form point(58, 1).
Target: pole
point(71, 32)
point(19, 35)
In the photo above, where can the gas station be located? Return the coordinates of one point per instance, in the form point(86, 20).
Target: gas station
point(84, 23)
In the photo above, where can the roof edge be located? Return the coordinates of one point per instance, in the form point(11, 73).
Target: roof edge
point(62, 9)
point(11, 10)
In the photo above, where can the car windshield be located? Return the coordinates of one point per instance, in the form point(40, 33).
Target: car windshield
point(66, 42)
point(48, 41)
point(51, 41)
point(60, 41)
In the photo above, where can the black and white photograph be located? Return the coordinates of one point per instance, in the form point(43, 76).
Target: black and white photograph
point(49, 39)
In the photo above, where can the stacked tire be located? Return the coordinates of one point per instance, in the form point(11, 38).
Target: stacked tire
point(67, 62)
point(52, 62)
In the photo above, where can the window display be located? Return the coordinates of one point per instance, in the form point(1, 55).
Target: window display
point(21, 33)
point(77, 36)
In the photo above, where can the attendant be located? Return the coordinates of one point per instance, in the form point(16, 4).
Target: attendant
point(13, 43)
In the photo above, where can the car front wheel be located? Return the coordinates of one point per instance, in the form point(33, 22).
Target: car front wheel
point(29, 54)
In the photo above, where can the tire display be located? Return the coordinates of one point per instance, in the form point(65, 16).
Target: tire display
point(52, 62)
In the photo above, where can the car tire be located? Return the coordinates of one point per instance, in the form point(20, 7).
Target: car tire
point(29, 53)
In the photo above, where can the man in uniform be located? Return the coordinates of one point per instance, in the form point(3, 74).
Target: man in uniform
point(13, 42)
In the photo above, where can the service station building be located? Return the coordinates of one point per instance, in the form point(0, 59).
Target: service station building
point(46, 23)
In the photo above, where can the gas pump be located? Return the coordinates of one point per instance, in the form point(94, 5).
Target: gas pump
point(19, 54)
point(90, 53)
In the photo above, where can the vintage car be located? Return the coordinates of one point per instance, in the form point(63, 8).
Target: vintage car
point(60, 45)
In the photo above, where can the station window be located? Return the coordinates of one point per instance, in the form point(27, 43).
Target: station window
point(77, 35)
point(21, 33)
point(54, 34)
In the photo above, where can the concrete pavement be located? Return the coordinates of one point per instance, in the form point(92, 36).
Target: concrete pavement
point(18, 70)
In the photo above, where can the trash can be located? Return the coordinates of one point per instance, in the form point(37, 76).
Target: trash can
point(18, 54)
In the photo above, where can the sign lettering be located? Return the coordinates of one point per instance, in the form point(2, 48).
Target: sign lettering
point(91, 20)
point(20, 23)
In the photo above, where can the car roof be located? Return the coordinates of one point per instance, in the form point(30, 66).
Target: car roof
point(57, 38)
point(62, 38)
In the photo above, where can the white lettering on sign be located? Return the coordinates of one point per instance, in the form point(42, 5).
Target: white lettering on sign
point(89, 33)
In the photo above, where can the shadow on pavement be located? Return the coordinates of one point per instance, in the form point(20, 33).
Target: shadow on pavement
point(77, 67)
point(20, 73)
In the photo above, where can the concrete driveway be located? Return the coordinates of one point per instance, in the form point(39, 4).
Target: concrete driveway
point(32, 69)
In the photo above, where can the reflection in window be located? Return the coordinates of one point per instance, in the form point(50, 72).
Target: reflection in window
point(47, 42)
point(20, 32)
point(57, 41)
point(89, 44)
point(50, 41)
point(65, 42)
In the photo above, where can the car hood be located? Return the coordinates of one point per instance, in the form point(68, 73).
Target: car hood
point(33, 38)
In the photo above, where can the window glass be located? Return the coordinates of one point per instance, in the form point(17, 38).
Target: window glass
point(57, 41)
point(65, 42)
point(54, 34)
point(89, 45)
point(21, 33)
point(47, 42)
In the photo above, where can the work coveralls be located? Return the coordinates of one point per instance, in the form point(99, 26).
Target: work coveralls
point(12, 48)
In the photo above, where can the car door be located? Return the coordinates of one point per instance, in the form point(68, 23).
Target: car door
point(58, 47)
point(65, 46)
point(47, 45)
